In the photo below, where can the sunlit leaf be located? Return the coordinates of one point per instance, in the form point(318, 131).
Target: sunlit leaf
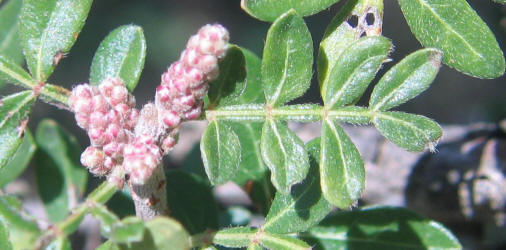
point(19, 161)
point(269, 10)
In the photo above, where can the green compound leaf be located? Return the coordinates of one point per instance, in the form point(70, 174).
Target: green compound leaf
point(304, 207)
point(162, 233)
point(11, 72)
point(60, 243)
point(121, 54)
point(283, 152)
point(407, 79)
point(341, 167)
point(339, 35)
point(281, 242)
point(408, 131)
point(5, 243)
point(354, 70)
point(221, 152)
point(380, 228)
point(235, 236)
point(9, 35)
point(269, 10)
point(454, 27)
point(59, 175)
point(191, 201)
point(23, 232)
point(49, 28)
point(287, 59)
point(231, 82)
point(19, 161)
point(14, 111)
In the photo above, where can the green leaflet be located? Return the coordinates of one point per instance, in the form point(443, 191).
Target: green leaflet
point(406, 79)
point(191, 201)
point(14, 111)
point(283, 152)
point(128, 230)
point(11, 72)
point(19, 161)
point(108, 245)
point(5, 243)
point(340, 34)
point(49, 28)
point(162, 233)
point(59, 175)
point(454, 27)
point(221, 152)
point(354, 70)
point(60, 243)
point(287, 59)
point(231, 82)
point(23, 232)
point(9, 35)
point(304, 207)
point(380, 228)
point(234, 237)
point(281, 242)
point(121, 54)
point(411, 132)
point(269, 10)
point(341, 167)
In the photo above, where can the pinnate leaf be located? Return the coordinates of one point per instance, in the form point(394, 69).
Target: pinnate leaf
point(304, 207)
point(411, 132)
point(407, 79)
point(121, 54)
point(380, 228)
point(23, 232)
point(19, 161)
point(454, 27)
point(269, 10)
point(341, 167)
point(234, 237)
point(354, 70)
point(221, 152)
point(191, 201)
point(14, 111)
point(9, 34)
point(284, 154)
point(281, 242)
point(59, 175)
point(49, 28)
point(287, 59)
point(11, 72)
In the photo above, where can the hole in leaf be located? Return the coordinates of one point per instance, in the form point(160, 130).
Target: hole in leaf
point(353, 21)
point(370, 19)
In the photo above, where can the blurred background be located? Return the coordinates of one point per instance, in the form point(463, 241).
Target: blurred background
point(454, 98)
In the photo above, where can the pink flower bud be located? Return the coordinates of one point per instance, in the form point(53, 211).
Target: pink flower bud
point(82, 120)
point(207, 63)
point(119, 95)
point(99, 103)
point(171, 119)
point(193, 114)
point(98, 120)
point(94, 160)
point(163, 93)
point(167, 144)
point(97, 137)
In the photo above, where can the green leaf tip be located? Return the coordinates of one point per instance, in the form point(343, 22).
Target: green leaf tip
point(269, 10)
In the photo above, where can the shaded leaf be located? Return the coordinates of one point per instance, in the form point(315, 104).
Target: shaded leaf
point(235, 216)
point(120, 54)
point(130, 229)
point(234, 236)
point(14, 111)
point(9, 35)
point(454, 27)
point(60, 177)
point(19, 161)
point(5, 243)
point(341, 167)
point(60, 243)
point(221, 152)
point(49, 28)
point(283, 152)
point(23, 232)
point(107, 219)
point(191, 201)
point(407, 79)
point(231, 82)
point(121, 204)
point(380, 228)
point(162, 233)
point(354, 70)
point(269, 10)
point(411, 132)
point(282, 242)
point(287, 59)
point(304, 207)
point(11, 72)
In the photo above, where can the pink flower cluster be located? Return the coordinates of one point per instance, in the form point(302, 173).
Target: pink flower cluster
point(122, 136)
point(108, 114)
